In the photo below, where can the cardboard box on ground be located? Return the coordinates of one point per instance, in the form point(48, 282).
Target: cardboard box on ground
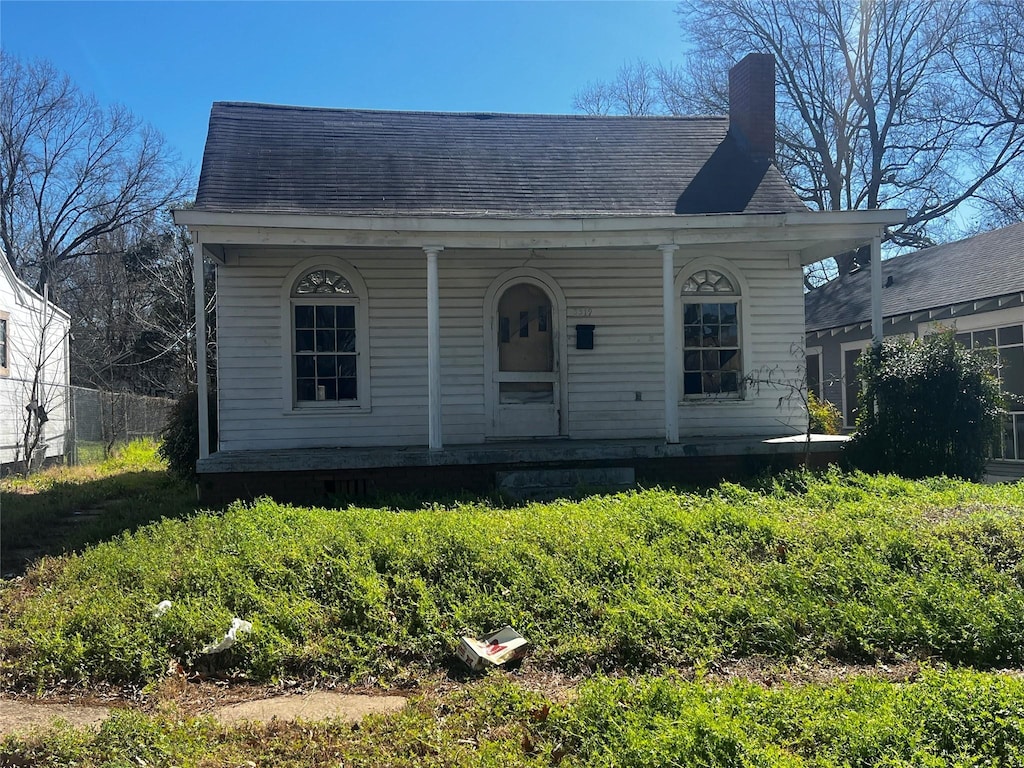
point(495, 649)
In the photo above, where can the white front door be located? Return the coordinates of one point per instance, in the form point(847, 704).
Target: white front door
point(526, 379)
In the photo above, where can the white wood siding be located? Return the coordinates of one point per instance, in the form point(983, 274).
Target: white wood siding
point(28, 324)
point(617, 292)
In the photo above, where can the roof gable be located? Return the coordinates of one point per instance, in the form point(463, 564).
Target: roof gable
point(976, 268)
point(277, 159)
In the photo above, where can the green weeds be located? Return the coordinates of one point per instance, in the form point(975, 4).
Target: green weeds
point(943, 718)
point(855, 568)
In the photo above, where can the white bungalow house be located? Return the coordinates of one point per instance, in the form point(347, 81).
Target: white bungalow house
point(405, 295)
point(34, 407)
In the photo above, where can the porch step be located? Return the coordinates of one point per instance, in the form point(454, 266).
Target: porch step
point(1004, 471)
point(547, 484)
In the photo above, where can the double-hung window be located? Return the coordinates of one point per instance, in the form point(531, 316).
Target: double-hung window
point(326, 340)
point(1007, 345)
point(712, 359)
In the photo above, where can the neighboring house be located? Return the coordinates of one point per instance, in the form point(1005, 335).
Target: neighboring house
point(975, 286)
point(479, 291)
point(33, 373)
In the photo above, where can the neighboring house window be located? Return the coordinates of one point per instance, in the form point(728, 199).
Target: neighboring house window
point(712, 363)
point(813, 365)
point(1007, 343)
point(852, 386)
point(4, 352)
point(326, 339)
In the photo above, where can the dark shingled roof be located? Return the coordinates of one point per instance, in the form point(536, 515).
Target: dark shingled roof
point(276, 159)
point(980, 267)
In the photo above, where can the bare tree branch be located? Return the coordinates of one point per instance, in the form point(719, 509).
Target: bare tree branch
point(71, 170)
point(901, 103)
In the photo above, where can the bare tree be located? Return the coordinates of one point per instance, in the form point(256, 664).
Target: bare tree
point(72, 171)
point(896, 103)
point(132, 311)
point(634, 91)
point(990, 59)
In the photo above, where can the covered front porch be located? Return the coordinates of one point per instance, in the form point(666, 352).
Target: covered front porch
point(431, 381)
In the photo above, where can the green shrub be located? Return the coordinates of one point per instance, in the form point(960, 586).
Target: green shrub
point(931, 407)
point(180, 436)
point(825, 418)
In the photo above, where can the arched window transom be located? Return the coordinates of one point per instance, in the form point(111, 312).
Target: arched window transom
point(323, 281)
point(708, 281)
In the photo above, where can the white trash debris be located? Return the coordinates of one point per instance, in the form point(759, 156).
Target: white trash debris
point(161, 608)
point(494, 649)
point(237, 626)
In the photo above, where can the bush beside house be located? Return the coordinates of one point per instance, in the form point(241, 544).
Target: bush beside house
point(936, 409)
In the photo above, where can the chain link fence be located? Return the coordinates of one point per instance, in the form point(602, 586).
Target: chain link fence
point(100, 420)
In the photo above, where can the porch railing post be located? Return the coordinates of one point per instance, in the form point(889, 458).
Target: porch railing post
point(877, 331)
point(199, 285)
point(672, 350)
point(435, 439)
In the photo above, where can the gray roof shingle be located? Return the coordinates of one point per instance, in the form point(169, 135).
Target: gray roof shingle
point(979, 267)
point(278, 159)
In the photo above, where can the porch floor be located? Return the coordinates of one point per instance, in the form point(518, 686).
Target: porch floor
point(533, 452)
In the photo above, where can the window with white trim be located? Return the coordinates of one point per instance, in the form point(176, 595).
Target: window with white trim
point(1007, 346)
point(712, 359)
point(326, 339)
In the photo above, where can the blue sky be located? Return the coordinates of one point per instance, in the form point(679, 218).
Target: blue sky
point(168, 61)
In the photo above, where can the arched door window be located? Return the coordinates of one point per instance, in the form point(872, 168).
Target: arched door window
point(525, 343)
point(524, 392)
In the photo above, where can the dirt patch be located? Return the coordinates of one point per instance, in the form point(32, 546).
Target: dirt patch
point(772, 673)
point(319, 705)
point(18, 716)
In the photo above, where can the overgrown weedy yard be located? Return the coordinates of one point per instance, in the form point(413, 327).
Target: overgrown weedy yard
point(806, 620)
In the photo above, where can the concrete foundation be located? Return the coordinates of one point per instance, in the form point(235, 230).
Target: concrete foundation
point(529, 469)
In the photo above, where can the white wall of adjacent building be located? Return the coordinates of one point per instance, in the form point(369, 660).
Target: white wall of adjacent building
point(36, 351)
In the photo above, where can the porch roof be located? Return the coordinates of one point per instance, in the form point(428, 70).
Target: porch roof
point(809, 235)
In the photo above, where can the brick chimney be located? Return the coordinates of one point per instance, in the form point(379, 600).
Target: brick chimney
point(752, 105)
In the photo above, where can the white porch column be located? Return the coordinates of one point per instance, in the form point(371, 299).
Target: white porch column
point(876, 290)
point(199, 285)
point(672, 350)
point(436, 441)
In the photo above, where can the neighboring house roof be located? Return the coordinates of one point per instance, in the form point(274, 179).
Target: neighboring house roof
point(278, 159)
point(980, 267)
point(12, 279)
point(23, 293)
